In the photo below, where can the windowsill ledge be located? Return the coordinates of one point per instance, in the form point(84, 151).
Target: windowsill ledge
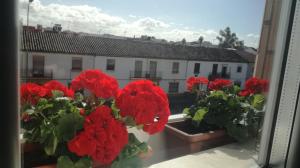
point(228, 156)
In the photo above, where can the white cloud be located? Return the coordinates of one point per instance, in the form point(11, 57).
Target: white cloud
point(252, 35)
point(84, 18)
point(132, 16)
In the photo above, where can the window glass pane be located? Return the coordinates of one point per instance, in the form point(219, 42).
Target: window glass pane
point(110, 64)
point(173, 87)
point(38, 63)
point(175, 67)
point(76, 63)
point(239, 69)
point(171, 63)
point(197, 68)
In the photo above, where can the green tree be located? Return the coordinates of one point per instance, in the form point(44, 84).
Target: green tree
point(227, 39)
point(200, 40)
point(183, 41)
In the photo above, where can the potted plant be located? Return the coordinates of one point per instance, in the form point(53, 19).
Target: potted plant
point(221, 109)
point(90, 124)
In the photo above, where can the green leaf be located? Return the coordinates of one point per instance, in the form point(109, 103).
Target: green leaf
point(258, 101)
point(50, 146)
point(29, 111)
point(134, 162)
point(186, 111)
point(78, 97)
point(115, 110)
point(68, 125)
point(57, 93)
point(219, 94)
point(129, 121)
point(83, 163)
point(236, 89)
point(199, 115)
point(64, 162)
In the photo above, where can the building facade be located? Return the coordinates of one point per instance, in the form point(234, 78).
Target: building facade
point(62, 56)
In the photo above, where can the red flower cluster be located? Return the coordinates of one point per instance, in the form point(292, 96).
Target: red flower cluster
point(31, 93)
point(55, 85)
point(96, 82)
point(146, 103)
point(103, 137)
point(219, 84)
point(253, 86)
point(191, 82)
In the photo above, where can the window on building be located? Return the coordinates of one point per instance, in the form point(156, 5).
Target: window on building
point(197, 68)
point(175, 67)
point(76, 63)
point(173, 87)
point(215, 69)
point(110, 64)
point(38, 66)
point(239, 69)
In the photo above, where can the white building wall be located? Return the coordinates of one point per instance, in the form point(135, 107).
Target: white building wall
point(61, 65)
point(206, 69)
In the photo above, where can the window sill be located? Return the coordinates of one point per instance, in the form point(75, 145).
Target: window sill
point(228, 156)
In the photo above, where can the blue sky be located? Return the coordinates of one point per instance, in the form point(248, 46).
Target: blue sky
point(161, 18)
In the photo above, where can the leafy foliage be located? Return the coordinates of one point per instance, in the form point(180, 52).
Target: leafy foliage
point(225, 109)
point(128, 158)
point(227, 39)
point(66, 162)
point(52, 122)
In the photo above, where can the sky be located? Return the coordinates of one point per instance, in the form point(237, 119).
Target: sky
point(172, 20)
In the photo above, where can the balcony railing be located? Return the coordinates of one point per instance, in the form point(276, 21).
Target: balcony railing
point(36, 75)
point(213, 76)
point(146, 75)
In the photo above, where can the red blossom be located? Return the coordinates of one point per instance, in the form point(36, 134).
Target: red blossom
point(254, 85)
point(97, 82)
point(103, 137)
point(56, 85)
point(82, 111)
point(219, 84)
point(193, 82)
point(244, 93)
point(83, 144)
point(31, 93)
point(146, 103)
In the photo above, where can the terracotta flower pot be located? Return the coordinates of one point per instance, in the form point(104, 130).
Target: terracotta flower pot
point(197, 141)
point(30, 147)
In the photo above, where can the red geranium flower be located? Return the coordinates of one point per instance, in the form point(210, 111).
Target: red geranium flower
point(96, 82)
point(82, 111)
point(244, 93)
point(194, 81)
point(254, 85)
point(55, 85)
point(31, 93)
point(83, 144)
point(219, 84)
point(103, 137)
point(146, 103)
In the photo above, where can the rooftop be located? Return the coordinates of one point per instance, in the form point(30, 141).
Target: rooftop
point(85, 44)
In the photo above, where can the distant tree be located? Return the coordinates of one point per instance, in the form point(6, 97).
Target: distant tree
point(227, 39)
point(183, 41)
point(200, 40)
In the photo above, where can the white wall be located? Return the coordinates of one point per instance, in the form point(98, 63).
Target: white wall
point(206, 69)
point(61, 64)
